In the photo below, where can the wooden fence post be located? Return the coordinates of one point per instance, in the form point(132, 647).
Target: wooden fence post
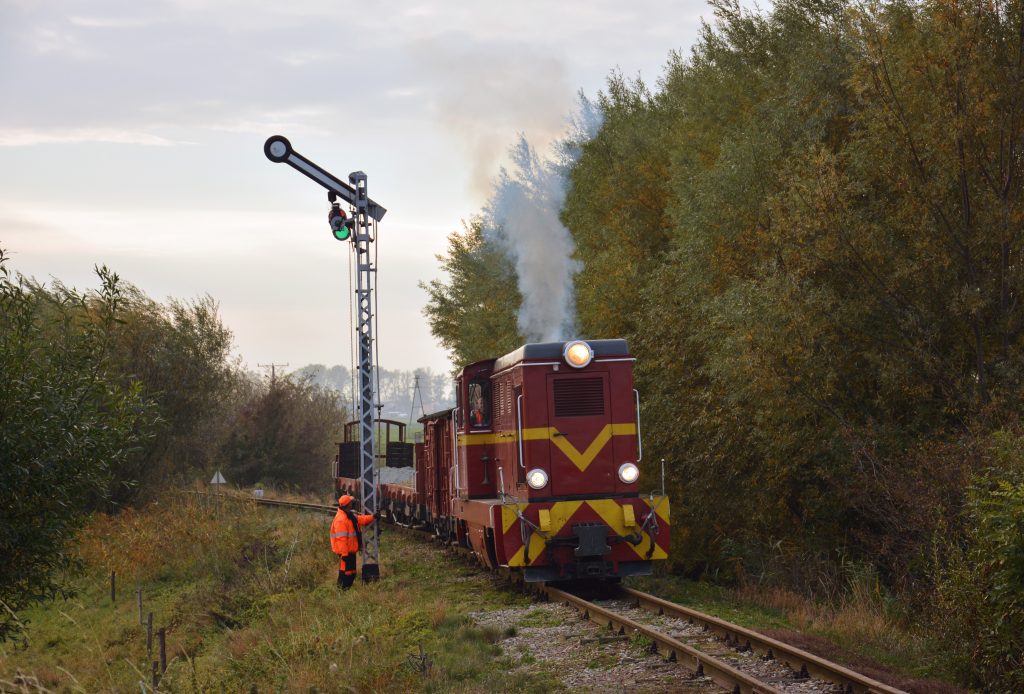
point(163, 650)
point(149, 634)
point(113, 586)
point(138, 594)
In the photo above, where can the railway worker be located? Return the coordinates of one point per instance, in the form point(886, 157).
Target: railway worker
point(477, 404)
point(347, 539)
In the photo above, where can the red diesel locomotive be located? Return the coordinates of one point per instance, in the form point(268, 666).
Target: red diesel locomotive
point(536, 468)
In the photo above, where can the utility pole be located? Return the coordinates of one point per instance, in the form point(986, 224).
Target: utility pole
point(357, 230)
point(416, 392)
point(273, 371)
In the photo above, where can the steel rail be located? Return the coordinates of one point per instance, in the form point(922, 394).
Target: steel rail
point(297, 504)
point(699, 663)
point(807, 664)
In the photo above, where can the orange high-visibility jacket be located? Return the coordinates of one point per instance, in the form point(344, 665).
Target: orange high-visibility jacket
point(343, 534)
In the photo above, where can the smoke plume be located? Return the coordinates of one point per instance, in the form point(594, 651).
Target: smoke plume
point(523, 219)
point(482, 96)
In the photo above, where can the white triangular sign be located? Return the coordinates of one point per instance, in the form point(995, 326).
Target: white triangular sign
point(218, 479)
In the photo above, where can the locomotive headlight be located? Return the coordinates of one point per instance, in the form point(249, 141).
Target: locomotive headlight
point(537, 478)
point(629, 473)
point(577, 354)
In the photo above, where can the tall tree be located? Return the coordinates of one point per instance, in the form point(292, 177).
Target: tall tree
point(616, 208)
point(64, 427)
point(941, 115)
point(180, 354)
point(474, 313)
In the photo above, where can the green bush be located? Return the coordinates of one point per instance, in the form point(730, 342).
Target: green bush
point(979, 606)
point(65, 426)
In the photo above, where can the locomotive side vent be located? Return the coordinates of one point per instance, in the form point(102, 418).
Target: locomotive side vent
point(579, 397)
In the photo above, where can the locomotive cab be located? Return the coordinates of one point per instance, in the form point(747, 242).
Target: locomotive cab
point(474, 426)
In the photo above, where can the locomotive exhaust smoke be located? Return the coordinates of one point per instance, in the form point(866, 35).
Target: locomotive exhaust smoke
point(523, 219)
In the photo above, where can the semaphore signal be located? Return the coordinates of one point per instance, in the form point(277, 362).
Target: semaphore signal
point(356, 229)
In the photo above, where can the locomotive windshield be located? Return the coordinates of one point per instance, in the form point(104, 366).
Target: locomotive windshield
point(479, 404)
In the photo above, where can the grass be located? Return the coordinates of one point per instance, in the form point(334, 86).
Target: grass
point(538, 618)
point(249, 601)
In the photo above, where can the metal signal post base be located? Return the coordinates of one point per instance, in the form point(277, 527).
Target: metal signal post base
point(371, 572)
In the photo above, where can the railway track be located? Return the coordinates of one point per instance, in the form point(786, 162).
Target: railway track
point(736, 659)
point(297, 505)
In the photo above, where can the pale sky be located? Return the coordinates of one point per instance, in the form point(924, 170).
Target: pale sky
point(131, 135)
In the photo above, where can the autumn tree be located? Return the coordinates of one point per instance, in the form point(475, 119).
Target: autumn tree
point(473, 314)
point(940, 122)
point(616, 207)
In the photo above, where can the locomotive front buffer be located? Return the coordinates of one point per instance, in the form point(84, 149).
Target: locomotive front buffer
point(603, 538)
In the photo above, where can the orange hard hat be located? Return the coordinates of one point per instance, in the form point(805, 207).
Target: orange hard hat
point(345, 500)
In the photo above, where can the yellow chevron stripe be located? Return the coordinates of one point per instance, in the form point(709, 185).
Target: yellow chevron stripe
point(611, 513)
point(560, 511)
point(609, 510)
point(508, 516)
point(581, 460)
point(660, 505)
point(584, 459)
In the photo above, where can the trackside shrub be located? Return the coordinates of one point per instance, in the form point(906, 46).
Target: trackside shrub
point(980, 589)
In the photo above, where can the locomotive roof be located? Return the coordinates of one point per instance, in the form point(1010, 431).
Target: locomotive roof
point(436, 415)
point(553, 350)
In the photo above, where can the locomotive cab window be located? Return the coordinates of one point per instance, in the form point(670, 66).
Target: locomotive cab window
point(479, 393)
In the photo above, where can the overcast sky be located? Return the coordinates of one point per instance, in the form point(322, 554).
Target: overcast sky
point(131, 135)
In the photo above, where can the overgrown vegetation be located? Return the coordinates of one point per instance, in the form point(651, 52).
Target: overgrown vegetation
point(108, 397)
point(179, 355)
point(810, 234)
point(66, 427)
point(979, 613)
point(258, 608)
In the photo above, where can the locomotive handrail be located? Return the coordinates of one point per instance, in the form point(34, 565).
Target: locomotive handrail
point(519, 429)
point(455, 454)
point(639, 438)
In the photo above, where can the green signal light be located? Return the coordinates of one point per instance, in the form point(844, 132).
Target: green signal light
point(341, 226)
